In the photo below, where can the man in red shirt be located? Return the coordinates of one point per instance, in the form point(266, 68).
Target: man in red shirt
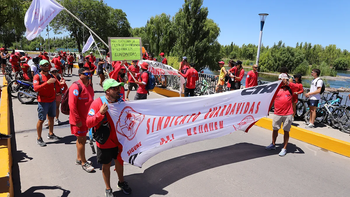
point(92, 58)
point(46, 56)
point(80, 98)
point(14, 60)
point(252, 77)
point(45, 85)
point(70, 63)
point(57, 63)
point(283, 114)
point(97, 115)
point(25, 68)
point(164, 60)
point(191, 76)
point(141, 92)
point(134, 70)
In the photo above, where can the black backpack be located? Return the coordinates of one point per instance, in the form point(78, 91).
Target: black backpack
point(323, 88)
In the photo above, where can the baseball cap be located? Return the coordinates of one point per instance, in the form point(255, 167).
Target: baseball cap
point(144, 65)
point(53, 69)
point(108, 83)
point(283, 76)
point(184, 58)
point(221, 62)
point(161, 54)
point(90, 52)
point(42, 62)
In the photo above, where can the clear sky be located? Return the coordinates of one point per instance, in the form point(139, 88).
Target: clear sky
point(317, 21)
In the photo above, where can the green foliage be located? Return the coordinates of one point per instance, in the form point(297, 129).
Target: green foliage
point(326, 70)
point(341, 63)
point(173, 62)
point(303, 68)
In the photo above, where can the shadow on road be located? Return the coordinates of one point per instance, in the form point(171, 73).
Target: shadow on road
point(21, 156)
point(157, 177)
point(33, 191)
point(64, 140)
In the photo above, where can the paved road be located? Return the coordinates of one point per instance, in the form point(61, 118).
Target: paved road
point(233, 165)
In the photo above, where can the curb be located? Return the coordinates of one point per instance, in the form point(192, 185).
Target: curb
point(310, 137)
point(5, 146)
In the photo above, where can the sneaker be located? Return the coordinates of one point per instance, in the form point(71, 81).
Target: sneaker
point(57, 122)
point(41, 142)
point(87, 167)
point(125, 187)
point(4, 137)
point(109, 193)
point(52, 137)
point(78, 162)
point(46, 123)
point(270, 147)
point(310, 125)
point(283, 152)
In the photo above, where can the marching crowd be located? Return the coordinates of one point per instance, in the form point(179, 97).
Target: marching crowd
point(85, 112)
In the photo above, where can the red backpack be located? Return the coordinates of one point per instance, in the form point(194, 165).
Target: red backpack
point(65, 97)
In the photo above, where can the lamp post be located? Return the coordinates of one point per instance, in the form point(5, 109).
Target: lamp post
point(262, 22)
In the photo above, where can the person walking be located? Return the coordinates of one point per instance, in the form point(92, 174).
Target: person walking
point(59, 92)
point(221, 80)
point(45, 85)
point(191, 76)
point(252, 77)
point(98, 117)
point(314, 95)
point(283, 114)
point(80, 98)
point(81, 60)
point(142, 92)
point(134, 70)
point(70, 64)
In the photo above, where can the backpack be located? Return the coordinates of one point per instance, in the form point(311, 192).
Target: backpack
point(323, 88)
point(151, 83)
point(65, 97)
point(101, 134)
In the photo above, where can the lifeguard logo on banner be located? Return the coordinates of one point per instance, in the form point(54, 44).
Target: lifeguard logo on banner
point(129, 122)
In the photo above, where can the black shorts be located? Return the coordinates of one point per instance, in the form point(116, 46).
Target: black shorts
point(313, 103)
point(104, 156)
point(236, 85)
point(81, 65)
point(130, 85)
point(140, 96)
point(189, 92)
point(70, 65)
point(3, 61)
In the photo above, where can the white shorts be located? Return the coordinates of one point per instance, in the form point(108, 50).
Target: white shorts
point(286, 120)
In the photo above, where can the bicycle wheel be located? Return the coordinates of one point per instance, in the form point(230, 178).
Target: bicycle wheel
point(321, 115)
point(300, 109)
point(307, 117)
point(23, 98)
point(13, 88)
point(344, 120)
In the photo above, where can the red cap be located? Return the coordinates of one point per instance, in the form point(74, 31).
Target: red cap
point(161, 54)
point(45, 53)
point(221, 62)
point(64, 52)
point(1, 49)
point(144, 65)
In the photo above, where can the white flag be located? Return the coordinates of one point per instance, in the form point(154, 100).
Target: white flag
point(88, 44)
point(148, 127)
point(39, 15)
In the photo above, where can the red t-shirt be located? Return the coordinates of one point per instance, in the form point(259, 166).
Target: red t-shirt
point(25, 67)
point(94, 119)
point(235, 73)
point(46, 92)
point(135, 71)
point(58, 64)
point(92, 59)
point(70, 60)
point(14, 60)
point(79, 104)
point(283, 102)
point(45, 57)
point(164, 61)
point(92, 67)
point(252, 79)
point(184, 67)
point(298, 88)
point(142, 88)
point(191, 76)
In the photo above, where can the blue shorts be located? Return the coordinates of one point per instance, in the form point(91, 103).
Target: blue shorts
point(46, 109)
point(313, 103)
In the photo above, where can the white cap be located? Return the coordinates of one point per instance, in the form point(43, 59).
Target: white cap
point(283, 76)
point(90, 52)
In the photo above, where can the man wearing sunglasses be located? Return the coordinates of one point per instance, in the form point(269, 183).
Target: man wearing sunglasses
point(45, 85)
point(252, 77)
point(81, 95)
point(110, 150)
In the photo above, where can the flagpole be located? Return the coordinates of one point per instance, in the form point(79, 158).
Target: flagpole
point(83, 24)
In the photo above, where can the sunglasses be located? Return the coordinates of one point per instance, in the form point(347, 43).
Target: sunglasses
point(45, 65)
point(115, 88)
point(86, 74)
point(54, 71)
point(255, 67)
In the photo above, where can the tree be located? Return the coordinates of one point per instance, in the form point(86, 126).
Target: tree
point(196, 35)
point(341, 64)
point(102, 19)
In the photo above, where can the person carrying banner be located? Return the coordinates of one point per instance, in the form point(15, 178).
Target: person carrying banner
point(221, 80)
point(164, 60)
point(141, 92)
point(237, 74)
point(231, 81)
point(283, 114)
point(98, 115)
point(252, 77)
point(118, 74)
point(80, 98)
point(45, 85)
point(191, 76)
point(134, 70)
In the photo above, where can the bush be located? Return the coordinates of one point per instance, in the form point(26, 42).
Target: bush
point(173, 62)
point(303, 68)
point(326, 70)
point(341, 64)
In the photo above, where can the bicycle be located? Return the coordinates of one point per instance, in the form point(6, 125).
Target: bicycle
point(203, 88)
point(344, 119)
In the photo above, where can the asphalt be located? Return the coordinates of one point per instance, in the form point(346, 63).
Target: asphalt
point(233, 165)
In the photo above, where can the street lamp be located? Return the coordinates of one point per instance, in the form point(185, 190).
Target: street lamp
point(262, 22)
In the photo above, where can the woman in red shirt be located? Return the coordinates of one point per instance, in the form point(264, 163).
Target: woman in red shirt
point(296, 89)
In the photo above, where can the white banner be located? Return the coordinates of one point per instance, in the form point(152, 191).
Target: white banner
point(39, 15)
point(88, 44)
point(148, 127)
point(157, 68)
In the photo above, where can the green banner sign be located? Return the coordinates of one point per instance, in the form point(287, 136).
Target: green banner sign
point(125, 48)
